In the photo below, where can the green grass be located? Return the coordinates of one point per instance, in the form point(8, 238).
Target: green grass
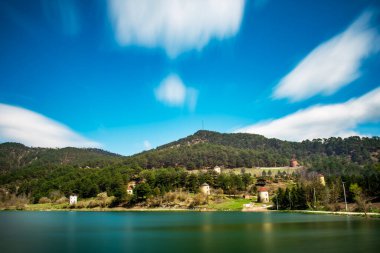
point(229, 204)
point(47, 206)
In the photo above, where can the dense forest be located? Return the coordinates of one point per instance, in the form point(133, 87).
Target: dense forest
point(37, 173)
point(14, 156)
point(208, 149)
point(203, 149)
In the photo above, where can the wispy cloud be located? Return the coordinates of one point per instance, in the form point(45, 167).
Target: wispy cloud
point(147, 145)
point(173, 92)
point(33, 129)
point(175, 25)
point(322, 120)
point(333, 64)
point(63, 15)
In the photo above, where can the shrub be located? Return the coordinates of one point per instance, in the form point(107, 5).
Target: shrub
point(81, 204)
point(199, 199)
point(102, 196)
point(55, 195)
point(44, 200)
point(170, 197)
point(93, 203)
point(62, 200)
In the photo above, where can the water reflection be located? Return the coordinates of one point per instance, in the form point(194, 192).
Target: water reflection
point(185, 232)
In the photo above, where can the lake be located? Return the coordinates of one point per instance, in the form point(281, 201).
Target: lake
point(185, 232)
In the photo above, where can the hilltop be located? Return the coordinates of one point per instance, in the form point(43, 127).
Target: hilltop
point(15, 156)
point(206, 149)
point(203, 149)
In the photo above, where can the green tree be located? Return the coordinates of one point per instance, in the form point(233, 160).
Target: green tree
point(142, 191)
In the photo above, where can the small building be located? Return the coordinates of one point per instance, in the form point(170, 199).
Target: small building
point(205, 189)
point(293, 162)
point(262, 195)
point(132, 184)
point(322, 179)
point(130, 190)
point(217, 169)
point(73, 199)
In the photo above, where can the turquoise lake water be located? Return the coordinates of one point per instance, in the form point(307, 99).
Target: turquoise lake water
point(185, 232)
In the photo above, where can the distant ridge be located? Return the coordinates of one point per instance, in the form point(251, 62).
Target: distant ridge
point(16, 155)
point(202, 149)
point(207, 148)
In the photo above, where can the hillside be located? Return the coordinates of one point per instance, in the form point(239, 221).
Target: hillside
point(44, 172)
point(207, 148)
point(201, 150)
point(15, 156)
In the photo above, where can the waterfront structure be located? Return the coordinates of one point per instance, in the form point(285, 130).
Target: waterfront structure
point(205, 189)
point(73, 199)
point(263, 195)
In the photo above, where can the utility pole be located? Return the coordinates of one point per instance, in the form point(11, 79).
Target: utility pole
point(315, 199)
point(344, 192)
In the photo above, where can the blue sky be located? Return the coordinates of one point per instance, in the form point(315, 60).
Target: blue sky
point(131, 75)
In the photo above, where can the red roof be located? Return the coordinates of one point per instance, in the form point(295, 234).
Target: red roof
point(263, 189)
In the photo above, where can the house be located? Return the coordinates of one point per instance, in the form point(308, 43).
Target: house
point(130, 190)
point(132, 184)
point(217, 169)
point(322, 179)
point(293, 162)
point(73, 199)
point(205, 189)
point(262, 195)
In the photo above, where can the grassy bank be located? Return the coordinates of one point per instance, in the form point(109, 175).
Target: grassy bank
point(220, 204)
point(228, 205)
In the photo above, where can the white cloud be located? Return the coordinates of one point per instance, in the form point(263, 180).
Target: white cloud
point(175, 25)
point(147, 145)
point(173, 92)
point(333, 64)
point(32, 129)
point(322, 120)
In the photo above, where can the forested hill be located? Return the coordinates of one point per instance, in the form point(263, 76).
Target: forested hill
point(15, 155)
point(200, 150)
point(207, 148)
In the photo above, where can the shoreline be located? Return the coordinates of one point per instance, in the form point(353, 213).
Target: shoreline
point(336, 213)
point(245, 210)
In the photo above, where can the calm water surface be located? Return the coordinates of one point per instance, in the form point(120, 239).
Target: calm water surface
point(185, 232)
